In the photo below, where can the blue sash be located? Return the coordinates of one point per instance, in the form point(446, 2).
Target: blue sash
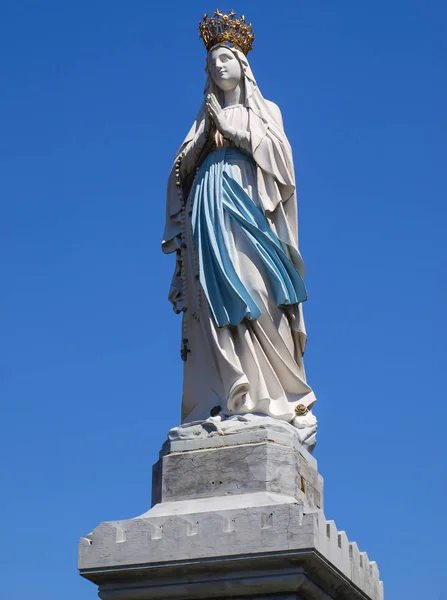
point(216, 196)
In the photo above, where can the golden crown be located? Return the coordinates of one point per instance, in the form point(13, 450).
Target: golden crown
point(226, 28)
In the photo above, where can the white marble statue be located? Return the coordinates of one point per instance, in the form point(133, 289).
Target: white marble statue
point(232, 222)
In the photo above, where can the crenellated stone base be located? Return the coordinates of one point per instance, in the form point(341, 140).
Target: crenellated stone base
point(237, 516)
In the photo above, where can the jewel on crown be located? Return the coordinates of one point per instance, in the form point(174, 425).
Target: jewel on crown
point(226, 28)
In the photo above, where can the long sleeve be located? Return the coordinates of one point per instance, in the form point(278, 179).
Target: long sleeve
point(193, 154)
point(240, 138)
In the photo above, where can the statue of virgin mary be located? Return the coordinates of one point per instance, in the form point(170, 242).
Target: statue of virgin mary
point(232, 222)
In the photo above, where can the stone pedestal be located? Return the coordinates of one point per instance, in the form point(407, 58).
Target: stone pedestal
point(234, 516)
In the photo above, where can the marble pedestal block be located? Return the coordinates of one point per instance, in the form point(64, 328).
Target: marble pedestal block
point(235, 516)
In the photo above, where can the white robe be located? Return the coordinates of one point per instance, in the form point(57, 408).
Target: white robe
point(256, 366)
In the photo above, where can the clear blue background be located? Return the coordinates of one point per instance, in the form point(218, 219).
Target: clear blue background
point(96, 97)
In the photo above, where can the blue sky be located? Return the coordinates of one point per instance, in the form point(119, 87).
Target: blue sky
point(96, 97)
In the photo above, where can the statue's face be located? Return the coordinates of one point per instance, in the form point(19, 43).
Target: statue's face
point(224, 68)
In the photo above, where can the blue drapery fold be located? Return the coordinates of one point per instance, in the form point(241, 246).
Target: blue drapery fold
point(217, 194)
